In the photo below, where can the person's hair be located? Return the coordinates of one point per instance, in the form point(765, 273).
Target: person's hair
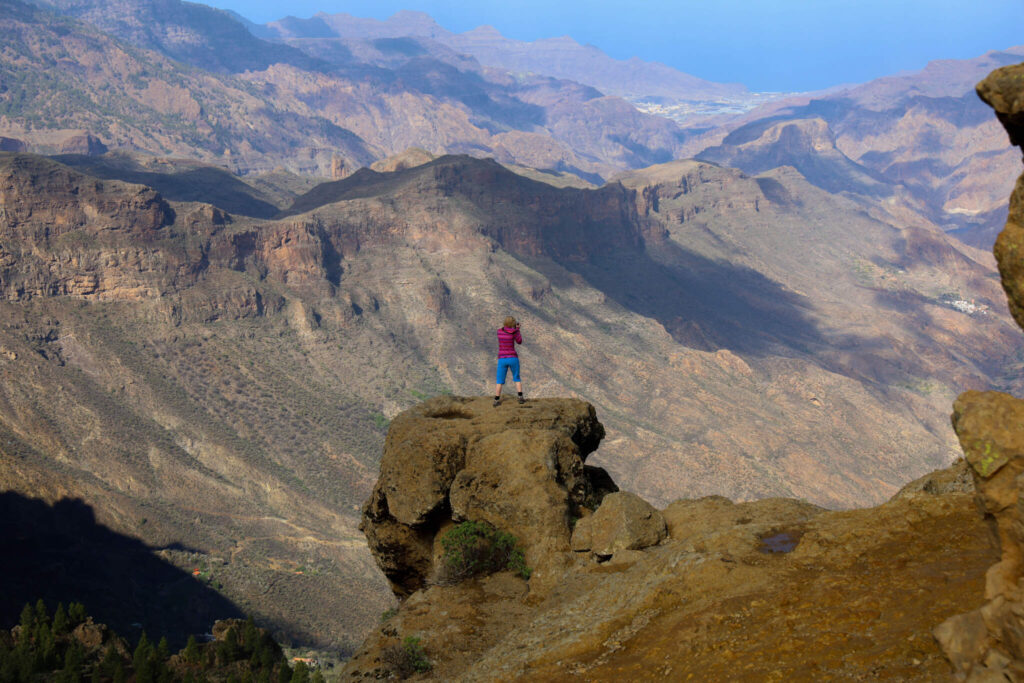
point(510, 322)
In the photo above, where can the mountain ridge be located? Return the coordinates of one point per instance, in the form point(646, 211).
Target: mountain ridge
point(560, 57)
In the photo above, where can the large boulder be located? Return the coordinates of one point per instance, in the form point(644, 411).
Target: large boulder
point(1003, 89)
point(450, 459)
point(624, 521)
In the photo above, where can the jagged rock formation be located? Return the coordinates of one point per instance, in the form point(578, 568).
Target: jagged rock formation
point(922, 139)
point(988, 643)
point(519, 468)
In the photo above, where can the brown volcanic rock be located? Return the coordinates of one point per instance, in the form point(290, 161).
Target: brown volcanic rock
point(623, 521)
point(518, 467)
point(850, 595)
point(989, 640)
point(988, 643)
point(1004, 92)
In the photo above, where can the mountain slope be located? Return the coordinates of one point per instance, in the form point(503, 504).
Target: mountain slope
point(230, 377)
point(257, 105)
point(61, 76)
point(924, 133)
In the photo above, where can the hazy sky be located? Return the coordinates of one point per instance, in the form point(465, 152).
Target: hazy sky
point(765, 44)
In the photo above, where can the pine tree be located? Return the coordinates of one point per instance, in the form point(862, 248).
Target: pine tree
point(163, 650)
point(250, 635)
point(142, 660)
point(42, 615)
point(192, 654)
point(60, 620)
point(301, 673)
point(27, 621)
point(76, 613)
point(111, 662)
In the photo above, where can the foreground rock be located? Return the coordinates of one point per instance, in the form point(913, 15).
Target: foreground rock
point(450, 459)
point(774, 589)
point(624, 521)
point(988, 643)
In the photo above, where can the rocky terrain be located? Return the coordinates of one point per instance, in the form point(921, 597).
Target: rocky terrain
point(219, 384)
point(922, 140)
point(775, 589)
point(209, 362)
point(769, 590)
point(986, 642)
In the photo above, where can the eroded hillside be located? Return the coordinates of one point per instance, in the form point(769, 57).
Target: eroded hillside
point(194, 373)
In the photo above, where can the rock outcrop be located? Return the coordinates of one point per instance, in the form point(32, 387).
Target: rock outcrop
point(86, 144)
point(451, 459)
point(988, 643)
point(12, 145)
point(775, 589)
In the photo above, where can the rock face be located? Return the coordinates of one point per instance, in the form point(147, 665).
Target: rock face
point(451, 459)
point(988, 643)
point(86, 144)
point(11, 145)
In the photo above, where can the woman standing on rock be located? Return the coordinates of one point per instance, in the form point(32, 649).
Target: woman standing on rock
point(508, 359)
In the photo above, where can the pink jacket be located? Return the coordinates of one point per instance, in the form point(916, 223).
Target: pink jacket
point(508, 337)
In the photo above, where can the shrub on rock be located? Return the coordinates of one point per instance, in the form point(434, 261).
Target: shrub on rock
point(476, 548)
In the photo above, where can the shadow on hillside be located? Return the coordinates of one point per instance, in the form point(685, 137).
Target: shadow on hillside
point(204, 184)
point(61, 554)
point(704, 304)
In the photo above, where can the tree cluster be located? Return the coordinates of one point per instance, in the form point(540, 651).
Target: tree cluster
point(54, 647)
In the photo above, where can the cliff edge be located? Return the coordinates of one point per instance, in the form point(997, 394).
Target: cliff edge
point(771, 589)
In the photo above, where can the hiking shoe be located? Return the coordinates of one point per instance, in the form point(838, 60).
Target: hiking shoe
point(522, 400)
point(497, 402)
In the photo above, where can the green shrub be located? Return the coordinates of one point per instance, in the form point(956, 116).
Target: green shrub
point(475, 548)
point(407, 658)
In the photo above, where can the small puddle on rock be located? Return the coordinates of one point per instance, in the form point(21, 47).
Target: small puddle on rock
point(783, 542)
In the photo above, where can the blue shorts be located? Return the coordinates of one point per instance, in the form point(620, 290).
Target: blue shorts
point(504, 365)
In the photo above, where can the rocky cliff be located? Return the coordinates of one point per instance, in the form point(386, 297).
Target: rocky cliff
point(987, 643)
point(118, 71)
point(922, 140)
point(775, 589)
